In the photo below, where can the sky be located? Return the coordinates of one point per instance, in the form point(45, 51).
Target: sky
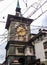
point(9, 6)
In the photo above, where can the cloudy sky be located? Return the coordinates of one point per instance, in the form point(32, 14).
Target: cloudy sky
point(9, 6)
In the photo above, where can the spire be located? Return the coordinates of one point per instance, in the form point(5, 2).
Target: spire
point(18, 6)
point(18, 9)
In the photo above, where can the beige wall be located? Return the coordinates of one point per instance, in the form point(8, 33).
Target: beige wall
point(39, 49)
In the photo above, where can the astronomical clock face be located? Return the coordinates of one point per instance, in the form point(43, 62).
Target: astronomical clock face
point(21, 30)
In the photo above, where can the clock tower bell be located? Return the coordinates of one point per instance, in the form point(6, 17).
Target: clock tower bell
point(19, 45)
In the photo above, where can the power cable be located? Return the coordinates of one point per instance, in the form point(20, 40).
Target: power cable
point(7, 6)
point(40, 14)
point(3, 39)
point(35, 29)
point(5, 9)
point(36, 10)
point(25, 2)
point(39, 26)
point(27, 10)
point(34, 7)
point(3, 43)
point(3, 33)
point(40, 5)
point(32, 29)
point(2, 22)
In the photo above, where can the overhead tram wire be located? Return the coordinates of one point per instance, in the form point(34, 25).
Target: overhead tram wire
point(4, 38)
point(2, 22)
point(25, 3)
point(36, 10)
point(5, 9)
point(3, 33)
point(3, 42)
point(40, 15)
point(30, 7)
point(40, 5)
point(7, 6)
point(39, 26)
point(25, 11)
point(32, 29)
point(34, 7)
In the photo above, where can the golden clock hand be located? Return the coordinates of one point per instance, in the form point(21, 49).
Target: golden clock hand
point(20, 31)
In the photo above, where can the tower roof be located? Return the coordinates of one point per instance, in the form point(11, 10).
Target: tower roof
point(12, 18)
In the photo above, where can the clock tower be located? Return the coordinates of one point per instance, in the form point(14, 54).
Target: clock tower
point(19, 47)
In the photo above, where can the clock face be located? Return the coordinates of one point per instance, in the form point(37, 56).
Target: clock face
point(21, 30)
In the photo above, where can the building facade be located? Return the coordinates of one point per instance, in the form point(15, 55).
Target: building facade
point(19, 49)
point(40, 43)
point(23, 47)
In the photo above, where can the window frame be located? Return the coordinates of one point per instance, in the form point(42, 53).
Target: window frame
point(45, 45)
point(45, 54)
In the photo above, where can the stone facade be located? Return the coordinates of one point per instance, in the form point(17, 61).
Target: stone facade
point(39, 47)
